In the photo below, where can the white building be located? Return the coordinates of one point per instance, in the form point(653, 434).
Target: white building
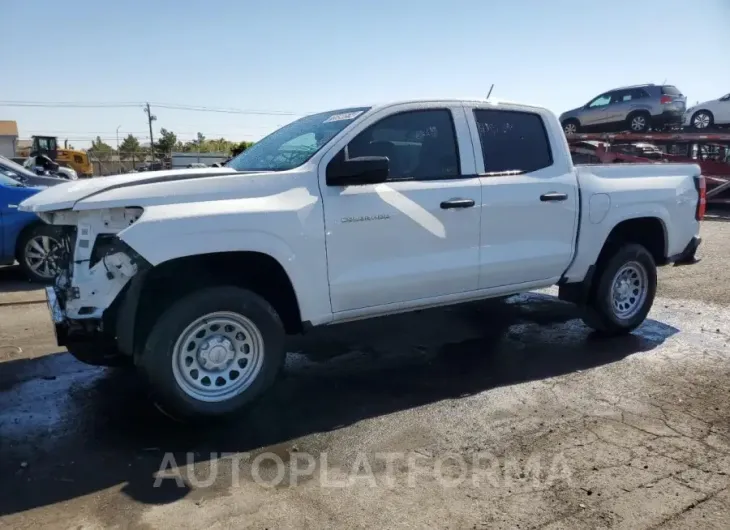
point(8, 138)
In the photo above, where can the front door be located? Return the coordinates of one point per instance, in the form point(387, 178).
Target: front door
point(596, 112)
point(415, 236)
point(529, 200)
point(722, 111)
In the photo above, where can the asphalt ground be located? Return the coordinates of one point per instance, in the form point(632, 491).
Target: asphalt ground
point(499, 414)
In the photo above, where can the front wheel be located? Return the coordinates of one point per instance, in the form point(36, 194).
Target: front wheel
point(702, 120)
point(213, 352)
point(625, 286)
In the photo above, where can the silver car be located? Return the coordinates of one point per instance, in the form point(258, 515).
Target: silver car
point(636, 108)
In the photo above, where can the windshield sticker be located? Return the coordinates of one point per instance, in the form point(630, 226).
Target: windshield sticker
point(342, 117)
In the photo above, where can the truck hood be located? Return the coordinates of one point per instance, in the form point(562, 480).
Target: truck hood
point(65, 196)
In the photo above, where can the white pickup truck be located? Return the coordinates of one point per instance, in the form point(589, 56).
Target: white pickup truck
point(195, 276)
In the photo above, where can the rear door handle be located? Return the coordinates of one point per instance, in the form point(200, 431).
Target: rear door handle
point(553, 196)
point(13, 206)
point(457, 203)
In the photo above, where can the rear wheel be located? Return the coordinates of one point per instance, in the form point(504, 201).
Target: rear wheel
point(625, 286)
point(213, 352)
point(571, 126)
point(639, 122)
point(38, 253)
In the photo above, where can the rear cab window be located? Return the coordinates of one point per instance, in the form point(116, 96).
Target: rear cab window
point(512, 142)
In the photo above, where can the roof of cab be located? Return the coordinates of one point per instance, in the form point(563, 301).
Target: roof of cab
point(492, 101)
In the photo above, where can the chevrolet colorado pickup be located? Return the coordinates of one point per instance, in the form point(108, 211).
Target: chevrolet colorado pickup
point(196, 276)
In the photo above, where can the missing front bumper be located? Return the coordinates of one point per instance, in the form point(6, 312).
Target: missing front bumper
point(54, 307)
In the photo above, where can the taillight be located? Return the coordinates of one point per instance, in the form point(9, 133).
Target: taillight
point(701, 187)
point(665, 99)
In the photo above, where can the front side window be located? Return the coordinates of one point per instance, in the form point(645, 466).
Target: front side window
point(600, 101)
point(420, 145)
point(295, 143)
point(621, 96)
point(512, 141)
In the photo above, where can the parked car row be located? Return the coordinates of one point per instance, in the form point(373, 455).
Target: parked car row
point(23, 236)
point(640, 108)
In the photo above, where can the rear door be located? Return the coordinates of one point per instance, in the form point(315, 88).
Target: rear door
point(529, 198)
point(416, 236)
point(12, 221)
point(625, 101)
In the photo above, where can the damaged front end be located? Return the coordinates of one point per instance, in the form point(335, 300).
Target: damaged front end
point(94, 267)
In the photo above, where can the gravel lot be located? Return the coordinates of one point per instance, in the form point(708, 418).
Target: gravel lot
point(493, 415)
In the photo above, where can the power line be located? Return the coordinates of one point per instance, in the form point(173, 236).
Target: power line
point(66, 104)
point(170, 106)
point(228, 111)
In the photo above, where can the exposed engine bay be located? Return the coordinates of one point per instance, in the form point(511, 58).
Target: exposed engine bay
point(95, 264)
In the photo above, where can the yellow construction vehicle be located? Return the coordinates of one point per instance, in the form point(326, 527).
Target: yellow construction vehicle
point(48, 145)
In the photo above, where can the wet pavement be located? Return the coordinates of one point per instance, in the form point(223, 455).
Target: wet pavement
point(633, 432)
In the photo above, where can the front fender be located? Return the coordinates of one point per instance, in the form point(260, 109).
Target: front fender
point(294, 238)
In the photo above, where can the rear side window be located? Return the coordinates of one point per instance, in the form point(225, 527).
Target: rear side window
point(512, 141)
point(638, 93)
point(671, 91)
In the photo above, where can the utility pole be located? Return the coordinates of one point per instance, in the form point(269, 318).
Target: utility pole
point(150, 119)
point(119, 156)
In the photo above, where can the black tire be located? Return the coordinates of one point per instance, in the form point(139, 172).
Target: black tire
point(571, 122)
point(639, 122)
point(157, 357)
point(99, 354)
point(23, 250)
point(600, 313)
point(708, 115)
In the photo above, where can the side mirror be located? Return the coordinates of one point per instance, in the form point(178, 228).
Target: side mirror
point(361, 170)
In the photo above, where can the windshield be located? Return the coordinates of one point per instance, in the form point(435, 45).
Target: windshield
point(8, 166)
point(294, 144)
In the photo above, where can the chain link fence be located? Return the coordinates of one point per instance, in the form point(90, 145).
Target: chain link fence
point(129, 162)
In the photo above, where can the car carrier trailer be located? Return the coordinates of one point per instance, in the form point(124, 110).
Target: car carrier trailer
point(711, 151)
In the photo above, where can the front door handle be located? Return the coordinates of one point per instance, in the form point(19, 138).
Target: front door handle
point(12, 206)
point(553, 196)
point(457, 203)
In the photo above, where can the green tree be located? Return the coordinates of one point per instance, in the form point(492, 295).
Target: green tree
point(240, 147)
point(129, 145)
point(166, 142)
point(100, 150)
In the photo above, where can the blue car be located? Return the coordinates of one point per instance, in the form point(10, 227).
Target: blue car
point(23, 236)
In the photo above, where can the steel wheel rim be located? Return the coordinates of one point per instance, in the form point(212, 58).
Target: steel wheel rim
point(569, 128)
point(218, 356)
point(629, 290)
point(701, 121)
point(41, 255)
point(638, 123)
